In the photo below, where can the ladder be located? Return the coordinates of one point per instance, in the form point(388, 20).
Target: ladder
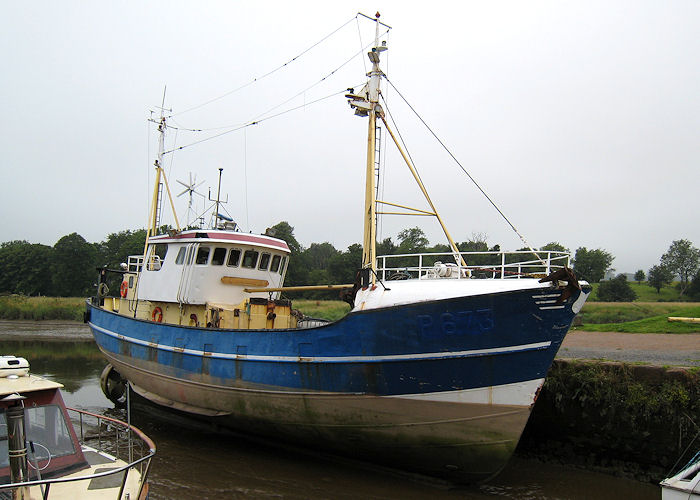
point(377, 158)
point(159, 208)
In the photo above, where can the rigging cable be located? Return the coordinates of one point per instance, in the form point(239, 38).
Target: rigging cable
point(254, 122)
point(318, 82)
point(257, 79)
point(522, 238)
point(245, 176)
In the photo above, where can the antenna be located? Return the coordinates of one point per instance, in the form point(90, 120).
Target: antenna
point(191, 189)
point(218, 201)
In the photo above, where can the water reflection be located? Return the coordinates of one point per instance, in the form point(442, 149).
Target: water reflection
point(195, 462)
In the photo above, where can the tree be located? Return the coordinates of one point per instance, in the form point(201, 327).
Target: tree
point(25, 268)
point(118, 246)
point(479, 243)
point(318, 255)
point(639, 276)
point(386, 247)
point(73, 267)
point(694, 288)
point(283, 231)
point(659, 276)
point(555, 246)
point(591, 265)
point(683, 260)
point(616, 290)
point(297, 269)
point(343, 266)
point(412, 240)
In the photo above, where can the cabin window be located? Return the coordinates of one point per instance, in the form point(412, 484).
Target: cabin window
point(234, 257)
point(45, 425)
point(250, 258)
point(161, 250)
point(202, 255)
point(275, 263)
point(131, 282)
point(155, 260)
point(264, 261)
point(284, 263)
point(181, 256)
point(219, 257)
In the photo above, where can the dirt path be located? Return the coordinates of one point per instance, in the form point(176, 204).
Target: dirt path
point(654, 348)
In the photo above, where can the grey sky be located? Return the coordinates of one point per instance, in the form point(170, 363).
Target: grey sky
point(580, 119)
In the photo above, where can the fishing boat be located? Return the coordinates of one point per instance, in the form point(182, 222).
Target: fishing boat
point(686, 484)
point(434, 370)
point(42, 456)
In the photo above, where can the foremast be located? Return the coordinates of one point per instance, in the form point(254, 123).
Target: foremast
point(154, 214)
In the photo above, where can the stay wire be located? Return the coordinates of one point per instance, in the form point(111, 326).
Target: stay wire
point(403, 143)
point(522, 238)
point(262, 117)
point(257, 79)
point(254, 122)
point(319, 81)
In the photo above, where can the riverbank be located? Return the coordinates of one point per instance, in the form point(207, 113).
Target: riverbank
point(631, 420)
point(20, 307)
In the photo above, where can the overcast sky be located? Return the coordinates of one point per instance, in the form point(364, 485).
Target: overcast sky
point(580, 119)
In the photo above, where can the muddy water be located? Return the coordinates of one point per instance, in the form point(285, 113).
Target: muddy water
point(193, 462)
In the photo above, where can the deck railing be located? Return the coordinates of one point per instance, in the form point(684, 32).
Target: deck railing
point(114, 437)
point(492, 265)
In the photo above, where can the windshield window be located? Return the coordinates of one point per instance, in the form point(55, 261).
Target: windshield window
point(46, 428)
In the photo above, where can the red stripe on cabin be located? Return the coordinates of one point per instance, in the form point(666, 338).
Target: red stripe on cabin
point(237, 237)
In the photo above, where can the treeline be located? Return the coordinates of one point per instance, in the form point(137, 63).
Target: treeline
point(67, 269)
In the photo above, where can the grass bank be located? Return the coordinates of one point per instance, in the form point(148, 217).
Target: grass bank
point(637, 317)
point(15, 307)
point(647, 293)
point(42, 308)
point(612, 412)
point(630, 317)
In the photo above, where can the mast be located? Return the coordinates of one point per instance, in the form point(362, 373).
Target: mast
point(366, 103)
point(154, 216)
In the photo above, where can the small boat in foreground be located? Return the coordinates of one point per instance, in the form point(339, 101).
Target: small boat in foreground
point(685, 485)
point(434, 370)
point(42, 456)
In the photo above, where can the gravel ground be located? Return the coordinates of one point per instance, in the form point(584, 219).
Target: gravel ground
point(652, 348)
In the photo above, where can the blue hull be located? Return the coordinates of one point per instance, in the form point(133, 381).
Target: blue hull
point(383, 379)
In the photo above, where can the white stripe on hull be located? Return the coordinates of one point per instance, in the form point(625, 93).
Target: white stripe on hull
point(519, 393)
point(332, 359)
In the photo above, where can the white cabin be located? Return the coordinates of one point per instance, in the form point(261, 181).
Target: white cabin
point(205, 266)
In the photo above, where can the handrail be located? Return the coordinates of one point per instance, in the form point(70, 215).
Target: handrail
point(524, 263)
point(119, 426)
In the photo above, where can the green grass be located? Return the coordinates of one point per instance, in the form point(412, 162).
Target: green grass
point(631, 317)
point(637, 317)
point(42, 308)
point(326, 309)
point(20, 307)
point(646, 293)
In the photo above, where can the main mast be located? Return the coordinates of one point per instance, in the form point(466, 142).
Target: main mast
point(366, 103)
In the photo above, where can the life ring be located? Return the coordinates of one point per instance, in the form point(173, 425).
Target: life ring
point(157, 315)
point(124, 288)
